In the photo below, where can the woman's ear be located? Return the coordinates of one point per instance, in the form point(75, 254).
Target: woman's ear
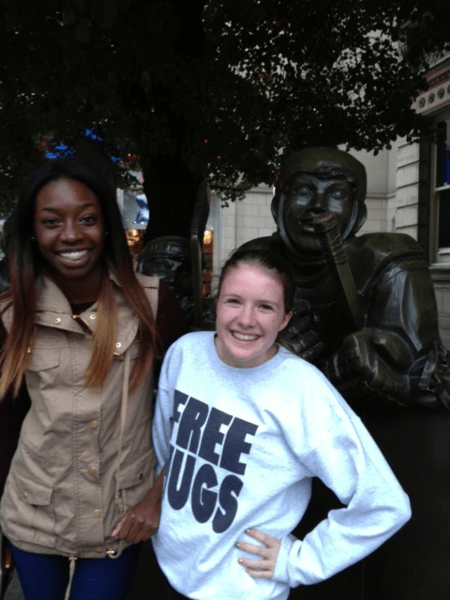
point(285, 321)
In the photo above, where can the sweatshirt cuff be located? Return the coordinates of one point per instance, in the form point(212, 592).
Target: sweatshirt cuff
point(281, 573)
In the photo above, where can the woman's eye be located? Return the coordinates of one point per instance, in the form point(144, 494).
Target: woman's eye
point(50, 222)
point(89, 219)
point(266, 306)
point(232, 301)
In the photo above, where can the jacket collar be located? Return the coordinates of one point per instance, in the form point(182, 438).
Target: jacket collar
point(54, 310)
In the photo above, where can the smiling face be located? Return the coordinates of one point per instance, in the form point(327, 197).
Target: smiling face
point(307, 197)
point(250, 313)
point(69, 231)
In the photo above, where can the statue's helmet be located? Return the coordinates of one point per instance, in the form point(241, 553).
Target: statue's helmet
point(322, 163)
point(175, 247)
point(168, 257)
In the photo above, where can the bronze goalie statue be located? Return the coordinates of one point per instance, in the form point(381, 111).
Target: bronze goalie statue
point(366, 311)
point(366, 315)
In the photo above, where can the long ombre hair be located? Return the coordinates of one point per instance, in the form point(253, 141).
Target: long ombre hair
point(26, 264)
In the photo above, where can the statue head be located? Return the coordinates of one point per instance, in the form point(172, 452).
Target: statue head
point(168, 257)
point(313, 181)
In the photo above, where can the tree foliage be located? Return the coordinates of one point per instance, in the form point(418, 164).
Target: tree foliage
point(206, 88)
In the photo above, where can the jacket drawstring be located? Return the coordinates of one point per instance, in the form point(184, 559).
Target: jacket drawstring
point(117, 497)
point(72, 560)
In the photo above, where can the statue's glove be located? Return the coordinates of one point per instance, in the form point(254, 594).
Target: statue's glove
point(431, 376)
point(300, 337)
point(373, 363)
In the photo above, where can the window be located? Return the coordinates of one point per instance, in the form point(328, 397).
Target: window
point(441, 191)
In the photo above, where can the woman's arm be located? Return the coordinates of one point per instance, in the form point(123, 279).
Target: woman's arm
point(141, 522)
point(347, 460)
point(12, 414)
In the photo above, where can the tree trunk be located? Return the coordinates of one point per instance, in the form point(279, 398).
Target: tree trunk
point(171, 191)
point(170, 186)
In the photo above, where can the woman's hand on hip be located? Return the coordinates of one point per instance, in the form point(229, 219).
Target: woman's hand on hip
point(141, 522)
point(264, 567)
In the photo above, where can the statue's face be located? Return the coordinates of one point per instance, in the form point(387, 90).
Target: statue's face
point(308, 197)
point(174, 272)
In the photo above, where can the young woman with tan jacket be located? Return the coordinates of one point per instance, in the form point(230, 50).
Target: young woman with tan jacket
point(81, 333)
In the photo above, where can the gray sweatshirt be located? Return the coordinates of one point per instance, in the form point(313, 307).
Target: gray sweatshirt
point(240, 448)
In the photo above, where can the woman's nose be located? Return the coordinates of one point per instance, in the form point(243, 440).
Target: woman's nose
point(70, 232)
point(247, 316)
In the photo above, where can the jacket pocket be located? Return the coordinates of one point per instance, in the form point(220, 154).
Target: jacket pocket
point(43, 360)
point(41, 373)
point(136, 479)
point(31, 502)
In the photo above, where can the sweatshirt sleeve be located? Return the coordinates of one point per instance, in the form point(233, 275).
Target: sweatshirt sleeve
point(349, 462)
point(162, 421)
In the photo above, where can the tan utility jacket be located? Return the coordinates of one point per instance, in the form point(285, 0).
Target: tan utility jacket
point(65, 491)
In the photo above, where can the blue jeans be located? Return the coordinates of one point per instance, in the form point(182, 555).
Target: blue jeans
point(45, 576)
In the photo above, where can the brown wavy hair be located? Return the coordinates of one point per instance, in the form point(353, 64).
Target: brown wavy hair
point(26, 264)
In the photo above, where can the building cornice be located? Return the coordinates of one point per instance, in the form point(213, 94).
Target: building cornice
point(437, 96)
